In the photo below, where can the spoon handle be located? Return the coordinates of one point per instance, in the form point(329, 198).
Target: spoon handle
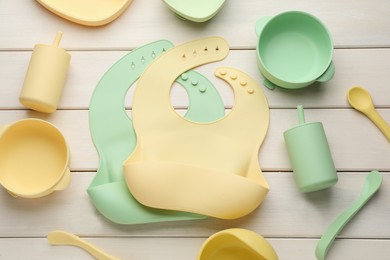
point(64, 238)
point(379, 122)
point(334, 229)
point(339, 223)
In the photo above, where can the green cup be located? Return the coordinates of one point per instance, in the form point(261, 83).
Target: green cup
point(310, 155)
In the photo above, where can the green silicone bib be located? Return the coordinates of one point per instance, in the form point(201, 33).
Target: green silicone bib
point(114, 137)
point(206, 168)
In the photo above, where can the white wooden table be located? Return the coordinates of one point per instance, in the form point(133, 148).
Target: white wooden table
point(292, 222)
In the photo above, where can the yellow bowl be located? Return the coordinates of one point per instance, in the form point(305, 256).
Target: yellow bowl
point(237, 244)
point(34, 158)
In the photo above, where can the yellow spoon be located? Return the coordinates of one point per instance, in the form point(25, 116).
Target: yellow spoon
point(360, 99)
point(59, 237)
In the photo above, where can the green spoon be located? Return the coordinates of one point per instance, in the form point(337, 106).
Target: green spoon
point(371, 185)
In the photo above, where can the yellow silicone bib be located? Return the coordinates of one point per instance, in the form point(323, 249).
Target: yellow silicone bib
point(209, 168)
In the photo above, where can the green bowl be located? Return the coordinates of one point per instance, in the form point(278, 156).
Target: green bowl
point(195, 10)
point(294, 50)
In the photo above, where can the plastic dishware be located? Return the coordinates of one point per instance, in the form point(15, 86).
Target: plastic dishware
point(236, 244)
point(87, 12)
point(310, 155)
point(34, 158)
point(59, 237)
point(371, 185)
point(196, 11)
point(114, 137)
point(182, 165)
point(294, 50)
point(45, 77)
point(361, 100)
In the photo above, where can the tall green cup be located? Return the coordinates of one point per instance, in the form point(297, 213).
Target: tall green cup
point(310, 155)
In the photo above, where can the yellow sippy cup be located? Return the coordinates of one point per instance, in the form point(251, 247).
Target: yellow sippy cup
point(45, 77)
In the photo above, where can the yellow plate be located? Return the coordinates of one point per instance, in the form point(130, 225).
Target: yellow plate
point(87, 12)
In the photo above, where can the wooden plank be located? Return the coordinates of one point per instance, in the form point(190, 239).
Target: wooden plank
point(88, 67)
point(186, 248)
point(290, 220)
point(285, 213)
point(356, 144)
point(351, 23)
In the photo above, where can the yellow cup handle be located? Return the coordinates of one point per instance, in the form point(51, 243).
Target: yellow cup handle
point(64, 182)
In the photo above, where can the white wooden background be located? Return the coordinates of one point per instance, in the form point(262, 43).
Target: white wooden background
point(291, 221)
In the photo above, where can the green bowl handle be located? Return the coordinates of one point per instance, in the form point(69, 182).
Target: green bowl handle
point(328, 74)
point(269, 84)
point(261, 23)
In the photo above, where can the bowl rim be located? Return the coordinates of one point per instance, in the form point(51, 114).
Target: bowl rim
point(287, 83)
